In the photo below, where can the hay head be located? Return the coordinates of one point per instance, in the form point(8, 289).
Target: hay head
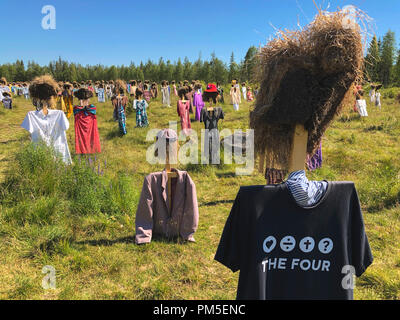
point(304, 78)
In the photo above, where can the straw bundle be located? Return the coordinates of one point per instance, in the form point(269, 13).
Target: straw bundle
point(304, 78)
point(43, 88)
point(83, 94)
point(119, 84)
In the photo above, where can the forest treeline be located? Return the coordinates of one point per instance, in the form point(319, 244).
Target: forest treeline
point(209, 70)
point(382, 64)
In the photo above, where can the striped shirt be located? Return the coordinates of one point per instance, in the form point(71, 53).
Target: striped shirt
point(306, 193)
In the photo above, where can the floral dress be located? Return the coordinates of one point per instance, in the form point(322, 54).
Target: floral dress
point(141, 115)
point(120, 103)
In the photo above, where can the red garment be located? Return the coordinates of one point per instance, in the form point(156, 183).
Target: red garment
point(183, 112)
point(87, 140)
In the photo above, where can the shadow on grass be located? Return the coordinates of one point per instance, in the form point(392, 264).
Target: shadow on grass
point(226, 175)
point(114, 134)
point(214, 203)
point(107, 242)
point(130, 240)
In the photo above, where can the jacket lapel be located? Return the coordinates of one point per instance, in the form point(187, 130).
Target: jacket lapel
point(179, 192)
point(164, 188)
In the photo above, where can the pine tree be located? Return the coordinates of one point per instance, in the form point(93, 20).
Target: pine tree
point(178, 73)
point(387, 58)
point(233, 69)
point(249, 64)
point(372, 61)
point(396, 70)
point(187, 69)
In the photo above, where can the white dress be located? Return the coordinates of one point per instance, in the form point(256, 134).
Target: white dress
point(372, 96)
point(3, 89)
point(378, 100)
point(166, 96)
point(51, 129)
point(362, 108)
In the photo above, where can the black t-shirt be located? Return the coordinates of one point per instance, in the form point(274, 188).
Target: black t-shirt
point(284, 251)
point(211, 119)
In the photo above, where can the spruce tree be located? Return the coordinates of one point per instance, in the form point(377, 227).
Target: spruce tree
point(387, 58)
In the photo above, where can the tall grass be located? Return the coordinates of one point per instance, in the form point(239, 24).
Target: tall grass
point(39, 179)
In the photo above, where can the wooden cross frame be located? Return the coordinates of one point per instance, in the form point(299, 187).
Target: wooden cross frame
point(171, 175)
point(299, 149)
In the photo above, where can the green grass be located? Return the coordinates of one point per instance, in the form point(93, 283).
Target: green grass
point(82, 222)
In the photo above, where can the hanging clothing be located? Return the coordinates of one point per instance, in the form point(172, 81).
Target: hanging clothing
point(141, 114)
point(100, 95)
point(221, 95)
point(372, 95)
point(315, 162)
point(154, 92)
point(249, 96)
point(154, 215)
point(211, 118)
point(189, 96)
point(119, 103)
point(50, 129)
point(378, 100)
point(362, 107)
point(68, 101)
point(133, 92)
point(25, 91)
point(108, 92)
point(166, 98)
point(211, 146)
point(87, 139)
point(244, 91)
point(184, 114)
point(60, 105)
point(286, 252)
point(198, 103)
point(4, 89)
point(7, 103)
point(236, 98)
point(147, 95)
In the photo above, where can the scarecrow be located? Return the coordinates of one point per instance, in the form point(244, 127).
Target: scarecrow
point(305, 76)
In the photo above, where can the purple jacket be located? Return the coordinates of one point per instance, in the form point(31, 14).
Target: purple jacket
point(152, 216)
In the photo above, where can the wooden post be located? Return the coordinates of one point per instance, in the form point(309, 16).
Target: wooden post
point(299, 149)
point(170, 176)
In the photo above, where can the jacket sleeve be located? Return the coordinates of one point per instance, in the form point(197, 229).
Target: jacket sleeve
point(144, 214)
point(190, 212)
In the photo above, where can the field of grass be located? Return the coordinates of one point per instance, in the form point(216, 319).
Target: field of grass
point(82, 223)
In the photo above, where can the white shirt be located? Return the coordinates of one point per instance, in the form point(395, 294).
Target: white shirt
point(3, 89)
point(50, 129)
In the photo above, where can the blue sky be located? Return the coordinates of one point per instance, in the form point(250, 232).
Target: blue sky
point(120, 31)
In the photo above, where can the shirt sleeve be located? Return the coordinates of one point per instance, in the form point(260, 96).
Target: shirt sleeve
point(202, 113)
point(228, 252)
point(360, 252)
point(190, 212)
point(27, 124)
point(144, 214)
point(64, 121)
